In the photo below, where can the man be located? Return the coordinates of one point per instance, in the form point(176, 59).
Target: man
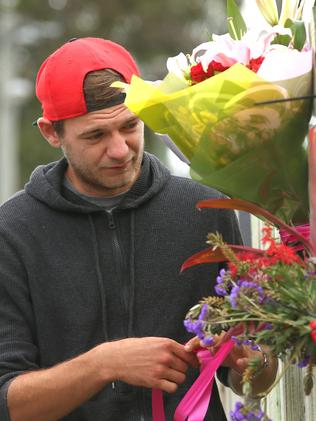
point(92, 304)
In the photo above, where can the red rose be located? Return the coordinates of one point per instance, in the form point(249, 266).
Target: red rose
point(218, 67)
point(197, 73)
point(210, 70)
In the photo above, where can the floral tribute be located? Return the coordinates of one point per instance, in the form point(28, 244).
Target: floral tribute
point(264, 297)
point(239, 107)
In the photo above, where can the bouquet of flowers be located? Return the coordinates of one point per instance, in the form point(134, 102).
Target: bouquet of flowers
point(226, 107)
point(238, 107)
point(264, 297)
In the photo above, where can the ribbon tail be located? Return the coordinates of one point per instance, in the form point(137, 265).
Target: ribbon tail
point(195, 402)
point(158, 411)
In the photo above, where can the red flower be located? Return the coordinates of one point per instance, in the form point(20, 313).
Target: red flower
point(255, 63)
point(218, 67)
point(312, 325)
point(197, 73)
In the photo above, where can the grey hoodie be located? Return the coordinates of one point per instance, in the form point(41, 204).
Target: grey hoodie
point(73, 275)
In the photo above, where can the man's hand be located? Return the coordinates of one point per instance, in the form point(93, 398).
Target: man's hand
point(238, 360)
point(50, 394)
point(151, 362)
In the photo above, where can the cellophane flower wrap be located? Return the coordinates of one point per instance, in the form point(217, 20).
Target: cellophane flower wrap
point(215, 104)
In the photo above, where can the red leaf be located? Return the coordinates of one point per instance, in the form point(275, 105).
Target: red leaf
point(243, 205)
point(210, 255)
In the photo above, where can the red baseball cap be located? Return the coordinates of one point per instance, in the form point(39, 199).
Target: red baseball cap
point(59, 82)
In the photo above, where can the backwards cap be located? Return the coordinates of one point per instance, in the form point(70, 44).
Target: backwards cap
point(59, 82)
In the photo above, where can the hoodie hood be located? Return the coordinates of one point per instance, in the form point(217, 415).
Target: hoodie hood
point(46, 185)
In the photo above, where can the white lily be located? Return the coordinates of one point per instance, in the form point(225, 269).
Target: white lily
point(178, 66)
point(269, 11)
point(289, 10)
point(227, 51)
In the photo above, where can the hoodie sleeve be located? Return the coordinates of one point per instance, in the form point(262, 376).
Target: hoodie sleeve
point(18, 351)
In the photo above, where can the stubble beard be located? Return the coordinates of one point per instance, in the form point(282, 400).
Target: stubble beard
point(102, 184)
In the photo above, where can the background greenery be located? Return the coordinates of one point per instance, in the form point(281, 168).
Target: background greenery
point(151, 30)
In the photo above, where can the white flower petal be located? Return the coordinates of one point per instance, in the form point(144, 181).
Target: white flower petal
point(178, 65)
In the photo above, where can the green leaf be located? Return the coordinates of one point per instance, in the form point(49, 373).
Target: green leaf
point(299, 34)
point(282, 40)
point(236, 24)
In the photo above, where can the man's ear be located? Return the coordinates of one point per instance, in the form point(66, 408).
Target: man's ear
point(48, 132)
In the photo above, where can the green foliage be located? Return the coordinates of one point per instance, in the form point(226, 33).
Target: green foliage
point(298, 37)
point(299, 33)
point(236, 24)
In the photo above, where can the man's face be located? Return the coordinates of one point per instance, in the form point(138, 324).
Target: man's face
point(104, 150)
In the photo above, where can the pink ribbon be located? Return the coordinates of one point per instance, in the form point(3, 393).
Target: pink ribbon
point(194, 404)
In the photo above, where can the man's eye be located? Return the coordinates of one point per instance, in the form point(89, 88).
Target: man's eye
point(95, 136)
point(130, 125)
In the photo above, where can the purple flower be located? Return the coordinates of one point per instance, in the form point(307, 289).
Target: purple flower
point(203, 312)
point(242, 412)
point(220, 287)
point(247, 288)
point(234, 296)
point(208, 340)
point(222, 272)
point(220, 290)
point(248, 342)
point(304, 362)
point(196, 326)
point(237, 340)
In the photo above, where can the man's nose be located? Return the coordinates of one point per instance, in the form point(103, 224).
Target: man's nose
point(117, 147)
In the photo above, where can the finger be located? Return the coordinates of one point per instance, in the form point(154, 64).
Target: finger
point(217, 341)
point(242, 364)
point(185, 355)
point(167, 386)
point(179, 365)
point(192, 344)
point(175, 376)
